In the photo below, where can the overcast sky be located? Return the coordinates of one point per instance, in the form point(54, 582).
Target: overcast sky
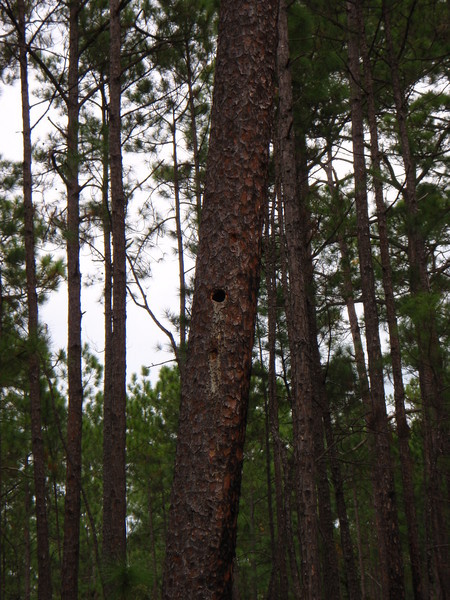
point(143, 337)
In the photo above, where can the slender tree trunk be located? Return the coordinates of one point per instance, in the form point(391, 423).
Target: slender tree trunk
point(107, 378)
point(330, 566)
point(71, 548)
point(351, 574)
point(252, 564)
point(268, 456)
point(214, 396)
point(394, 340)
point(280, 570)
point(180, 248)
point(330, 578)
point(37, 442)
point(359, 544)
point(293, 563)
point(151, 531)
point(288, 466)
point(360, 361)
point(27, 536)
point(114, 474)
point(324, 428)
point(297, 319)
point(430, 355)
point(385, 500)
point(195, 147)
point(55, 504)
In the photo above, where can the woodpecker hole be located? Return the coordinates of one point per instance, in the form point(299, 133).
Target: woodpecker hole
point(219, 295)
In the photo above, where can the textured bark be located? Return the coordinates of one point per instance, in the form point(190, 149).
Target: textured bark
point(202, 528)
point(435, 415)
point(394, 340)
point(297, 320)
point(384, 489)
point(114, 476)
point(37, 443)
point(72, 507)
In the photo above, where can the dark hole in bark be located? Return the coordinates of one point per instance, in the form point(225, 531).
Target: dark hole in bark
point(218, 295)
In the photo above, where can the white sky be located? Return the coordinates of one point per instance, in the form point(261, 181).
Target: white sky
point(143, 337)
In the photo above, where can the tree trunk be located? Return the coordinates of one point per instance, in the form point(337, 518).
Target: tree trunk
point(359, 544)
point(180, 248)
point(297, 320)
point(430, 355)
point(37, 442)
point(71, 548)
point(394, 340)
point(114, 475)
point(214, 396)
point(330, 565)
point(288, 466)
point(151, 533)
point(384, 496)
point(27, 536)
point(193, 124)
point(351, 575)
point(267, 454)
point(280, 570)
point(107, 378)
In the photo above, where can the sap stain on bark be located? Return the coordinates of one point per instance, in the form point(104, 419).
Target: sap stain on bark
point(219, 301)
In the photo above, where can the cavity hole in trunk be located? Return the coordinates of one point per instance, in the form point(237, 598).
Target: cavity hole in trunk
point(218, 295)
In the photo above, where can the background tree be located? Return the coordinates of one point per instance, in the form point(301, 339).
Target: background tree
point(114, 476)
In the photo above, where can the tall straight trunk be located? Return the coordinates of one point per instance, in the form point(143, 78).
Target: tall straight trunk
point(360, 361)
point(193, 120)
point(37, 442)
point(214, 392)
point(359, 543)
point(114, 474)
point(108, 324)
point(151, 533)
point(288, 464)
point(297, 320)
point(385, 498)
point(324, 428)
point(394, 340)
point(180, 249)
point(351, 574)
point(280, 568)
point(435, 415)
point(27, 535)
point(268, 457)
point(71, 547)
point(330, 564)
point(107, 379)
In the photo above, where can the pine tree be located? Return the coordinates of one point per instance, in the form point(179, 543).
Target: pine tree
point(214, 396)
